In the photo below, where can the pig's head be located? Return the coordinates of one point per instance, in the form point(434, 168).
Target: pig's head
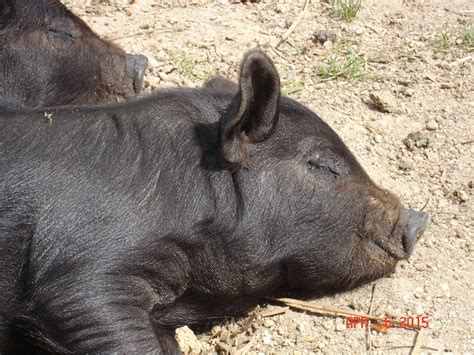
point(50, 57)
point(323, 220)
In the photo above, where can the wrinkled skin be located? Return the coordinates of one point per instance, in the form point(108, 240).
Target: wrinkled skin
point(50, 57)
point(121, 223)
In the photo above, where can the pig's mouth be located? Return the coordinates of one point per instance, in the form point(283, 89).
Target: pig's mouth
point(381, 250)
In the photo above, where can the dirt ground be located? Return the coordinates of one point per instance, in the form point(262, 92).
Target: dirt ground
point(411, 59)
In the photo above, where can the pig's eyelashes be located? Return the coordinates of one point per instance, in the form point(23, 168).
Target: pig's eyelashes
point(317, 167)
point(63, 34)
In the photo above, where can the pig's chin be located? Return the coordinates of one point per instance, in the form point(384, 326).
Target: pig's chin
point(380, 250)
point(386, 250)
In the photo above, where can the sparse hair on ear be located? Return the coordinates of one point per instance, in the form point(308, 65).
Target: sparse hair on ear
point(253, 114)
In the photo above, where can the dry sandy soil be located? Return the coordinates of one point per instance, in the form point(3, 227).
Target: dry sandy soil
point(411, 59)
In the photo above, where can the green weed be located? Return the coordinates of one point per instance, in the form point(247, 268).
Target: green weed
point(467, 38)
point(345, 9)
point(349, 67)
point(447, 38)
point(196, 71)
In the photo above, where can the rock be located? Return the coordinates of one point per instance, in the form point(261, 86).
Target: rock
point(281, 9)
point(358, 30)
point(409, 92)
point(442, 204)
point(268, 323)
point(188, 342)
point(163, 76)
point(433, 157)
point(419, 309)
point(322, 36)
point(418, 292)
point(463, 196)
point(447, 85)
point(327, 45)
point(382, 57)
point(384, 101)
point(445, 289)
point(460, 233)
point(377, 342)
point(378, 138)
point(405, 164)
point(432, 125)
point(416, 139)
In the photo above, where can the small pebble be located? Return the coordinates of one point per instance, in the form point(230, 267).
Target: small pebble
point(405, 164)
point(418, 292)
point(268, 323)
point(322, 36)
point(419, 309)
point(446, 290)
point(432, 157)
point(409, 92)
point(432, 125)
point(442, 204)
point(460, 233)
point(462, 196)
point(384, 101)
point(377, 342)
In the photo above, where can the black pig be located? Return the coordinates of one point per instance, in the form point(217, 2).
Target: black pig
point(50, 57)
point(120, 223)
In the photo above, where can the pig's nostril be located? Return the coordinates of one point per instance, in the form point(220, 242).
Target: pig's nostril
point(416, 225)
point(137, 64)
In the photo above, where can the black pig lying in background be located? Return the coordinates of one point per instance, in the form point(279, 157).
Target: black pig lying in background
point(120, 223)
point(50, 57)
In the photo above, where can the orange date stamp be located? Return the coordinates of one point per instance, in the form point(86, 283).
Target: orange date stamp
point(406, 322)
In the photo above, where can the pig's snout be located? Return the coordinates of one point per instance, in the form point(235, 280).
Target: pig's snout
point(416, 224)
point(136, 66)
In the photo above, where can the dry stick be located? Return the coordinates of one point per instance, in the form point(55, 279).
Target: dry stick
point(246, 326)
point(426, 204)
point(278, 53)
point(275, 312)
point(142, 33)
point(369, 334)
point(325, 310)
point(420, 340)
point(294, 24)
point(462, 60)
point(461, 13)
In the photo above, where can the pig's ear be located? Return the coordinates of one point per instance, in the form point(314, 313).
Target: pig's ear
point(253, 114)
point(5, 8)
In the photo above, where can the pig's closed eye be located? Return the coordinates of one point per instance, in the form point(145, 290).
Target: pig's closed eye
point(318, 167)
point(58, 33)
